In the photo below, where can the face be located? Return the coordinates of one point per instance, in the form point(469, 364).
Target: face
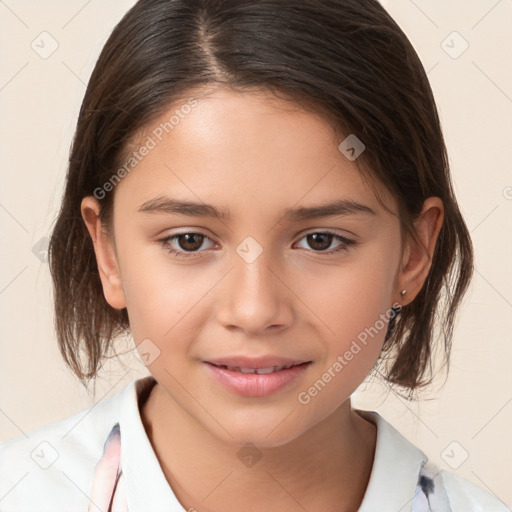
point(256, 280)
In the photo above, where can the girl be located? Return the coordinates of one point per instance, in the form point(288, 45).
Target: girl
point(259, 194)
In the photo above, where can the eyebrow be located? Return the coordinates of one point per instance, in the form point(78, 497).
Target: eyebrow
point(340, 207)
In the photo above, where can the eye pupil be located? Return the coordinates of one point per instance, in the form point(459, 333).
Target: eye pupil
point(322, 237)
point(189, 237)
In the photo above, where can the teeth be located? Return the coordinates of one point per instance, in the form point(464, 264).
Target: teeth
point(259, 371)
point(264, 371)
point(243, 370)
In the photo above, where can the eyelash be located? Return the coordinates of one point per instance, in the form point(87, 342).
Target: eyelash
point(347, 243)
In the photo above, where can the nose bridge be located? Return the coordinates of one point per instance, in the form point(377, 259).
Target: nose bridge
point(255, 297)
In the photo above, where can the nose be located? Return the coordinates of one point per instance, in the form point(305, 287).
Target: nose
point(255, 296)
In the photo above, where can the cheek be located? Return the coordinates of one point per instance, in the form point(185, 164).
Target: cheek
point(357, 328)
point(350, 297)
point(353, 308)
point(160, 295)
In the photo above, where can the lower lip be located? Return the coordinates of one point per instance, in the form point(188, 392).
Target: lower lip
point(253, 384)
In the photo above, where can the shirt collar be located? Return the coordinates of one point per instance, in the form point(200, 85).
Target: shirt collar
point(147, 489)
point(395, 472)
point(393, 479)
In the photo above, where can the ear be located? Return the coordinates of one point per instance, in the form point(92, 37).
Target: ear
point(417, 258)
point(106, 257)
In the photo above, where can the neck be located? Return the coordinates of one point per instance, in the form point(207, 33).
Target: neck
point(326, 468)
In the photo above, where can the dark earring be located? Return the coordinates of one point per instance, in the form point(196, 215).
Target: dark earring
point(396, 310)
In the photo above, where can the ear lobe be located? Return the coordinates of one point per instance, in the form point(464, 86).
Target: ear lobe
point(106, 259)
point(417, 258)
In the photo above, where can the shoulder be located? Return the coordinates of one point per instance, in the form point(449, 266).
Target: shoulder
point(465, 496)
point(402, 473)
point(51, 467)
point(442, 490)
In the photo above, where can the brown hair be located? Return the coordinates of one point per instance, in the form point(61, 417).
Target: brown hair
point(346, 59)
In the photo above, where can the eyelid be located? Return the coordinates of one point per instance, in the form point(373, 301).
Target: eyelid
point(344, 234)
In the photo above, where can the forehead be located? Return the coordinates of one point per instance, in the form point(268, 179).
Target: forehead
point(236, 149)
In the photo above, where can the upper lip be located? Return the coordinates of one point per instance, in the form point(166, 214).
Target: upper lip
point(256, 362)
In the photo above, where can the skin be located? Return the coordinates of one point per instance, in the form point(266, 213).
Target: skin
point(255, 155)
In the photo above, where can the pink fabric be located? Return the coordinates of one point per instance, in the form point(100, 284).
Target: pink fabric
point(108, 490)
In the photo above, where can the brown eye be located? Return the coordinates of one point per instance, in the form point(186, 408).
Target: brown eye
point(185, 245)
point(190, 241)
point(320, 241)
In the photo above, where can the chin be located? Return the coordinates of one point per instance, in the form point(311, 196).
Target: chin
point(262, 434)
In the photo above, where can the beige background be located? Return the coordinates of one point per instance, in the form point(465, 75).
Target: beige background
point(39, 100)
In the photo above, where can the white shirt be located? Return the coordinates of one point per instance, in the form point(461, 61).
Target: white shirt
point(52, 468)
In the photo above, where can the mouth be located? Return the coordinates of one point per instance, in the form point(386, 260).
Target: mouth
point(259, 371)
point(257, 382)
